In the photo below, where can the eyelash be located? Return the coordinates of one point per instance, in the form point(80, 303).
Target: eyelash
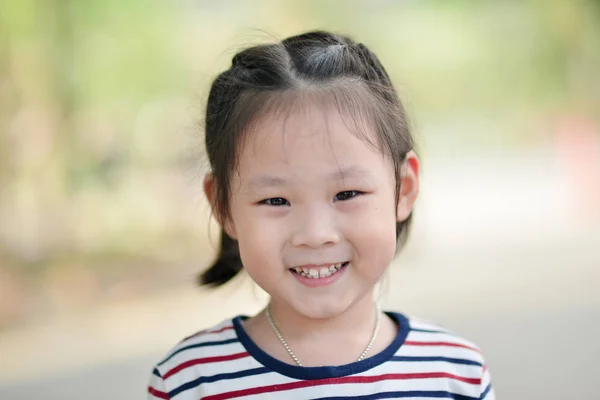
point(354, 193)
point(269, 202)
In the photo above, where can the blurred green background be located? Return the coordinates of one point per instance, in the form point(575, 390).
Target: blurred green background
point(101, 155)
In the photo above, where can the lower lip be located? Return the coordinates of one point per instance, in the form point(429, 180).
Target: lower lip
point(320, 282)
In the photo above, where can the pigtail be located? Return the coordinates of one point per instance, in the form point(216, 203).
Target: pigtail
point(226, 266)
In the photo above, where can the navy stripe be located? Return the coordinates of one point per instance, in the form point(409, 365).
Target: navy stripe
point(486, 391)
point(155, 372)
point(192, 335)
point(430, 331)
point(436, 358)
point(218, 377)
point(204, 344)
point(412, 393)
point(323, 372)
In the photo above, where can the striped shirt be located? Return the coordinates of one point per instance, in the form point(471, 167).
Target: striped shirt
point(423, 362)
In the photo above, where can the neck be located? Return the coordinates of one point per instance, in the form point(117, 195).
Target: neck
point(358, 319)
point(335, 340)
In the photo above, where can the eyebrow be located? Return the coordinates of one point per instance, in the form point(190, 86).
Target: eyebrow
point(349, 172)
point(268, 180)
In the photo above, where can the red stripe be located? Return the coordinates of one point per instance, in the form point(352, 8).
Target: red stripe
point(220, 330)
point(347, 379)
point(412, 343)
point(157, 393)
point(207, 331)
point(205, 360)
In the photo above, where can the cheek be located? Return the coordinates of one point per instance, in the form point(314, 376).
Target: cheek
point(377, 237)
point(259, 251)
point(259, 239)
point(373, 231)
point(376, 213)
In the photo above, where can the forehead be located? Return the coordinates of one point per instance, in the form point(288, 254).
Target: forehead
point(309, 141)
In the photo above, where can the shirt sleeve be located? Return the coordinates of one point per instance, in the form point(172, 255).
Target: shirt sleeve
point(156, 387)
point(487, 392)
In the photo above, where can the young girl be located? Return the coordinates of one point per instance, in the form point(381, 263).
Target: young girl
point(313, 180)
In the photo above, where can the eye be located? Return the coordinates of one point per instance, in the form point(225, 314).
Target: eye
point(347, 195)
point(275, 201)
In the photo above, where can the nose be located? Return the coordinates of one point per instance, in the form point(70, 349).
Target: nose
point(315, 228)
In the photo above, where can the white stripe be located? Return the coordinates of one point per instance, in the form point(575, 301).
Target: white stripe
point(440, 351)
point(201, 352)
point(203, 337)
point(485, 381)
point(438, 337)
point(418, 323)
point(212, 368)
point(466, 371)
point(156, 383)
point(361, 389)
point(192, 373)
point(249, 382)
point(274, 378)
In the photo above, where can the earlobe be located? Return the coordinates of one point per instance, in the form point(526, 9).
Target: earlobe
point(210, 193)
point(229, 228)
point(409, 186)
point(209, 189)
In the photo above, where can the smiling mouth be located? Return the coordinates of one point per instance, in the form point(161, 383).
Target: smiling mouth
point(319, 272)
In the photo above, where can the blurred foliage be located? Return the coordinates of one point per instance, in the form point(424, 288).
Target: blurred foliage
point(100, 101)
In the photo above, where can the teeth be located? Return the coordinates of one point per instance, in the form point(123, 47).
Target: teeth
point(317, 273)
point(323, 272)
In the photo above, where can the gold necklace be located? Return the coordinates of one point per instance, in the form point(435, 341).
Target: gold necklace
point(291, 353)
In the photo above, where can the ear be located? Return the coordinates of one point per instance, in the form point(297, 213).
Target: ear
point(409, 186)
point(210, 192)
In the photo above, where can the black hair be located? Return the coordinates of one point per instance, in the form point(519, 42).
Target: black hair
point(259, 79)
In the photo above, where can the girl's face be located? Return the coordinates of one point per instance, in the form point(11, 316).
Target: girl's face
point(313, 209)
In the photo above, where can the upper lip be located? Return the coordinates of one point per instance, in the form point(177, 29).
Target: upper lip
point(318, 265)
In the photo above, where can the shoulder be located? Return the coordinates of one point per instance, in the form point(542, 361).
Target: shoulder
point(441, 353)
point(216, 349)
point(426, 341)
point(213, 341)
point(427, 337)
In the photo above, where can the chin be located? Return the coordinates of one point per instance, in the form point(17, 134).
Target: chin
point(320, 309)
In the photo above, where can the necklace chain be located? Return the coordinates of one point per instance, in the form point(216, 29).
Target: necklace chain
point(291, 353)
